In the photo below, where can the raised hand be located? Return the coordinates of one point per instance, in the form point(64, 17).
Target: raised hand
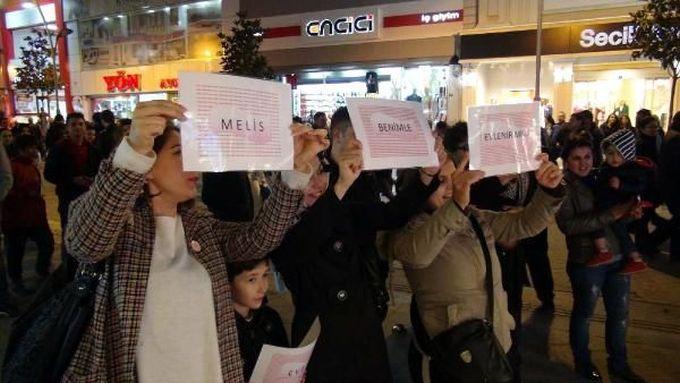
point(461, 181)
point(149, 121)
point(307, 143)
point(548, 174)
point(350, 163)
point(444, 168)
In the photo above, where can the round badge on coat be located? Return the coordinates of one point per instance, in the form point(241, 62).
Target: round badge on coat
point(195, 246)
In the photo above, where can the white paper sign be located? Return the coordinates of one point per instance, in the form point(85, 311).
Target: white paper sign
point(394, 133)
point(235, 123)
point(505, 139)
point(282, 365)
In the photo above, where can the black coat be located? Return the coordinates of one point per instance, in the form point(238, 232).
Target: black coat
point(669, 169)
point(265, 327)
point(59, 171)
point(323, 263)
point(228, 196)
point(633, 180)
point(649, 146)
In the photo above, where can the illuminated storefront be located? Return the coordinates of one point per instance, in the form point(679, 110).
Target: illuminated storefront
point(134, 54)
point(585, 66)
point(326, 54)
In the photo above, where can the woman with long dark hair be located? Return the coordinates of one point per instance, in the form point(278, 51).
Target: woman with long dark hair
point(163, 311)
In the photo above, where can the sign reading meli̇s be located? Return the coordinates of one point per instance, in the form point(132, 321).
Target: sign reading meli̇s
point(394, 133)
point(505, 139)
point(235, 123)
point(123, 82)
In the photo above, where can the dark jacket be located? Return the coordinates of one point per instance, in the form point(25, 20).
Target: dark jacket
point(578, 218)
point(649, 147)
point(108, 139)
point(54, 135)
point(228, 196)
point(24, 206)
point(60, 171)
point(669, 173)
point(633, 180)
point(322, 260)
point(265, 327)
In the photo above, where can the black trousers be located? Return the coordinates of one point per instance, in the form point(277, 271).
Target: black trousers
point(513, 270)
point(649, 242)
point(536, 256)
point(4, 295)
point(66, 258)
point(16, 246)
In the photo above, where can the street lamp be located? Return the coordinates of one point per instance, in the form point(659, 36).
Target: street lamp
point(539, 45)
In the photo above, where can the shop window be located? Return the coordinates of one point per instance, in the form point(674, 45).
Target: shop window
point(152, 36)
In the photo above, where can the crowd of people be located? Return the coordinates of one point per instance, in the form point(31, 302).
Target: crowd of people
point(184, 298)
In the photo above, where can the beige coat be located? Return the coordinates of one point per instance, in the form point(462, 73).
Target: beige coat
point(445, 266)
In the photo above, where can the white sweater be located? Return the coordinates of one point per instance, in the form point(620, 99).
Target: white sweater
point(178, 334)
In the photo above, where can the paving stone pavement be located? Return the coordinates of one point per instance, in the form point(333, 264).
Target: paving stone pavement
point(653, 333)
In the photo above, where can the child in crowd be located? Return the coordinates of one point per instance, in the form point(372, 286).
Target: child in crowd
point(257, 323)
point(619, 180)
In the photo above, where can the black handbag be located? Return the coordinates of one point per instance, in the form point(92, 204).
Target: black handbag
point(468, 352)
point(45, 338)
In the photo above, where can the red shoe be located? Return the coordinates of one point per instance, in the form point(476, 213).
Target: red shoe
point(600, 259)
point(633, 266)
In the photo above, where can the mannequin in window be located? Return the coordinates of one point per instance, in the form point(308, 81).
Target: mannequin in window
point(414, 97)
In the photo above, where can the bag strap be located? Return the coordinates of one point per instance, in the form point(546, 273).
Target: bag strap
point(488, 278)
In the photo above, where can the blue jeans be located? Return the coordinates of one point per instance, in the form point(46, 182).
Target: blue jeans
point(587, 283)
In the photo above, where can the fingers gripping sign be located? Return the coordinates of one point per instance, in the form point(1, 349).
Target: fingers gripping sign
point(307, 143)
point(148, 122)
point(350, 163)
point(462, 180)
point(548, 174)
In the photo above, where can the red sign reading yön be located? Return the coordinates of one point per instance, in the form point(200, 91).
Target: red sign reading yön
point(123, 82)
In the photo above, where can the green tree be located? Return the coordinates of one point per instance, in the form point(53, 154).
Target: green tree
point(657, 37)
point(241, 49)
point(37, 73)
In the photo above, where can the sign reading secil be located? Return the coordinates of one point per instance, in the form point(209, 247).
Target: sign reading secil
point(559, 40)
point(623, 36)
point(345, 25)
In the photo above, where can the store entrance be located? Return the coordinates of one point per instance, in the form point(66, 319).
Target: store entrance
point(622, 92)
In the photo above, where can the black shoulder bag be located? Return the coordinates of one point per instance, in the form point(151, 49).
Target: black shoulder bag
point(468, 352)
point(45, 338)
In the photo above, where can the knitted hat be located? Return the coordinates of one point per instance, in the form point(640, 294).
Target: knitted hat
point(624, 142)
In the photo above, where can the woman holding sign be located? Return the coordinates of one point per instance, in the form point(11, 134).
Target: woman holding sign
point(163, 310)
point(323, 260)
point(450, 261)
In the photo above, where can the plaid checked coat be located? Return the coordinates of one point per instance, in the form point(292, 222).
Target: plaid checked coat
point(109, 222)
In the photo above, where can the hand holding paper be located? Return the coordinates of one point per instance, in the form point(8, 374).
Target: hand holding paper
point(548, 174)
point(462, 179)
point(351, 162)
point(149, 121)
point(307, 143)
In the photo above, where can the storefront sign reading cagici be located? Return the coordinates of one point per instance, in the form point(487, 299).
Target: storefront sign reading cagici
point(346, 25)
